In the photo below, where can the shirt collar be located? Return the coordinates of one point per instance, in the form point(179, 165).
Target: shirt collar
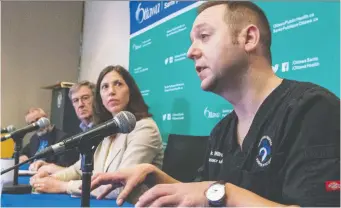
point(85, 127)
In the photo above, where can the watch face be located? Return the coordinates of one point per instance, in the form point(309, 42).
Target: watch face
point(216, 192)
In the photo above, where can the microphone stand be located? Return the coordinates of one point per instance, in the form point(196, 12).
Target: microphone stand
point(87, 150)
point(17, 149)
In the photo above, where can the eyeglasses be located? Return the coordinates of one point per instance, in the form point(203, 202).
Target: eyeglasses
point(84, 99)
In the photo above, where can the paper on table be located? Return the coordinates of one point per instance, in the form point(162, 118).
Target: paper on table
point(27, 172)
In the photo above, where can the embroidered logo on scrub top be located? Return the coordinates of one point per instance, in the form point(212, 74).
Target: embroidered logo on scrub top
point(264, 151)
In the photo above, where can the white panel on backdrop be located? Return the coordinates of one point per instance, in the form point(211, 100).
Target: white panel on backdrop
point(105, 37)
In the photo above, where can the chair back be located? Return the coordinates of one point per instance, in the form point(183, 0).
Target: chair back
point(184, 155)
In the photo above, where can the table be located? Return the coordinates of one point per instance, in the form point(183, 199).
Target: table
point(50, 200)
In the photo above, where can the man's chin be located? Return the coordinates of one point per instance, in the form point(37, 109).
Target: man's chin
point(84, 116)
point(208, 85)
point(206, 88)
point(41, 133)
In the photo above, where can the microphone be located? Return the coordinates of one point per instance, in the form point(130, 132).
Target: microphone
point(41, 123)
point(8, 129)
point(123, 122)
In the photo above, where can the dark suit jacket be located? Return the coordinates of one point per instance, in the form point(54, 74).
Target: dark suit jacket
point(56, 135)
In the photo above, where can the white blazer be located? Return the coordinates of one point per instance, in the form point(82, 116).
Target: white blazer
point(142, 145)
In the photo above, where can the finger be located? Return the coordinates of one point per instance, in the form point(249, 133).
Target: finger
point(96, 176)
point(104, 179)
point(39, 180)
point(36, 181)
point(37, 175)
point(43, 169)
point(165, 201)
point(106, 192)
point(127, 189)
point(39, 187)
point(154, 193)
point(32, 181)
point(98, 181)
point(38, 164)
point(42, 189)
point(42, 174)
point(32, 167)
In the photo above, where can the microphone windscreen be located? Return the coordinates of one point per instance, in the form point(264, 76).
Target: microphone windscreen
point(43, 122)
point(126, 121)
point(10, 128)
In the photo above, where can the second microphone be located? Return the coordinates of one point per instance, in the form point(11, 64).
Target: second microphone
point(123, 122)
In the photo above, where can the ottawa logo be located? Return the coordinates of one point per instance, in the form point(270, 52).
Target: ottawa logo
point(143, 14)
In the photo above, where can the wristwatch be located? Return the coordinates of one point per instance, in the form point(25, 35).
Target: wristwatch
point(215, 194)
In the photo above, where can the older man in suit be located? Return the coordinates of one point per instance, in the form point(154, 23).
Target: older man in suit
point(81, 95)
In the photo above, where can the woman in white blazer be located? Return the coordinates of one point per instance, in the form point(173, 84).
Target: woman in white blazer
point(116, 90)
